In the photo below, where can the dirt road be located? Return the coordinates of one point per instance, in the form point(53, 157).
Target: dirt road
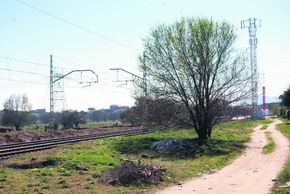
point(252, 173)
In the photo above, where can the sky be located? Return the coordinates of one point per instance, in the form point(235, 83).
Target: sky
point(104, 34)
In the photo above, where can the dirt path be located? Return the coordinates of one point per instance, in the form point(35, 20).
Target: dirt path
point(252, 173)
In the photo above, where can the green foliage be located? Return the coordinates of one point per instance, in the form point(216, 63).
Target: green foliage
point(193, 62)
point(71, 119)
point(285, 98)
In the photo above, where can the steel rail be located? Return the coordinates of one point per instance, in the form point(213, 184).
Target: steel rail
point(38, 145)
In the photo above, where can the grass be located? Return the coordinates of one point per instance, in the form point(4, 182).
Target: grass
point(80, 166)
point(285, 128)
point(284, 175)
point(270, 146)
point(266, 121)
point(108, 123)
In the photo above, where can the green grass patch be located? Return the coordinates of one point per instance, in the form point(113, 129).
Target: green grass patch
point(285, 128)
point(270, 146)
point(282, 178)
point(266, 121)
point(3, 175)
point(80, 167)
point(99, 124)
point(284, 175)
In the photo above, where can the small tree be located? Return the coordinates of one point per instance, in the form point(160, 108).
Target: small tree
point(194, 62)
point(16, 111)
point(70, 119)
point(78, 118)
point(66, 119)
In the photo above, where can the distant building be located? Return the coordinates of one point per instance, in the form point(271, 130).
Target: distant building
point(91, 109)
point(115, 107)
point(41, 110)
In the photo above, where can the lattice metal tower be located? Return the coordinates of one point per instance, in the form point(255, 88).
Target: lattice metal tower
point(56, 83)
point(58, 90)
point(252, 24)
point(57, 99)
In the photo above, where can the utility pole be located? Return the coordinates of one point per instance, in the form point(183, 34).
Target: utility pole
point(145, 87)
point(264, 100)
point(252, 24)
point(51, 93)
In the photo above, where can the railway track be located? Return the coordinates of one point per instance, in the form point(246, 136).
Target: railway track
point(24, 147)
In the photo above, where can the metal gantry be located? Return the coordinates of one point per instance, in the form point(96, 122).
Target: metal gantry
point(252, 24)
point(144, 84)
point(57, 84)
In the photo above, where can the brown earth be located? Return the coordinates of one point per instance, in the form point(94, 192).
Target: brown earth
point(30, 135)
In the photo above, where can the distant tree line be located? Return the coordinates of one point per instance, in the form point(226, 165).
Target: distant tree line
point(17, 113)
point(168, 113)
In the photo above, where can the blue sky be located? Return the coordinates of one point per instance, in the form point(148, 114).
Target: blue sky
point(31, 35)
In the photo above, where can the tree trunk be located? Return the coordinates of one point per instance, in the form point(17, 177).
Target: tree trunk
point(202, 137)
point(17, 127)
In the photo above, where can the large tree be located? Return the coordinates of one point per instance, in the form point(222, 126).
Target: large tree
point(194, 62)
point(16, 111)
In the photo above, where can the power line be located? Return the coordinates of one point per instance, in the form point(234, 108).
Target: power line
point(44, 76)
point(24, 61)
point(75, 65)
point(27, 62)
point(75, 25)
point(23, 81)
point(20, 71)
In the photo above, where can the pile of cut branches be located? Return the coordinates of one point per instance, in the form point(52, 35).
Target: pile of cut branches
point(129, 173)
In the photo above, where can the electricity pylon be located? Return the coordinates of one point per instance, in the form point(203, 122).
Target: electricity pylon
point(252, 24)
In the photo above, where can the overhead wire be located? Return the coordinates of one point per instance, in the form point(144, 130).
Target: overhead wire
point(72, 87)
point(24, 61)
point(20, 71)
point(80, 27)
